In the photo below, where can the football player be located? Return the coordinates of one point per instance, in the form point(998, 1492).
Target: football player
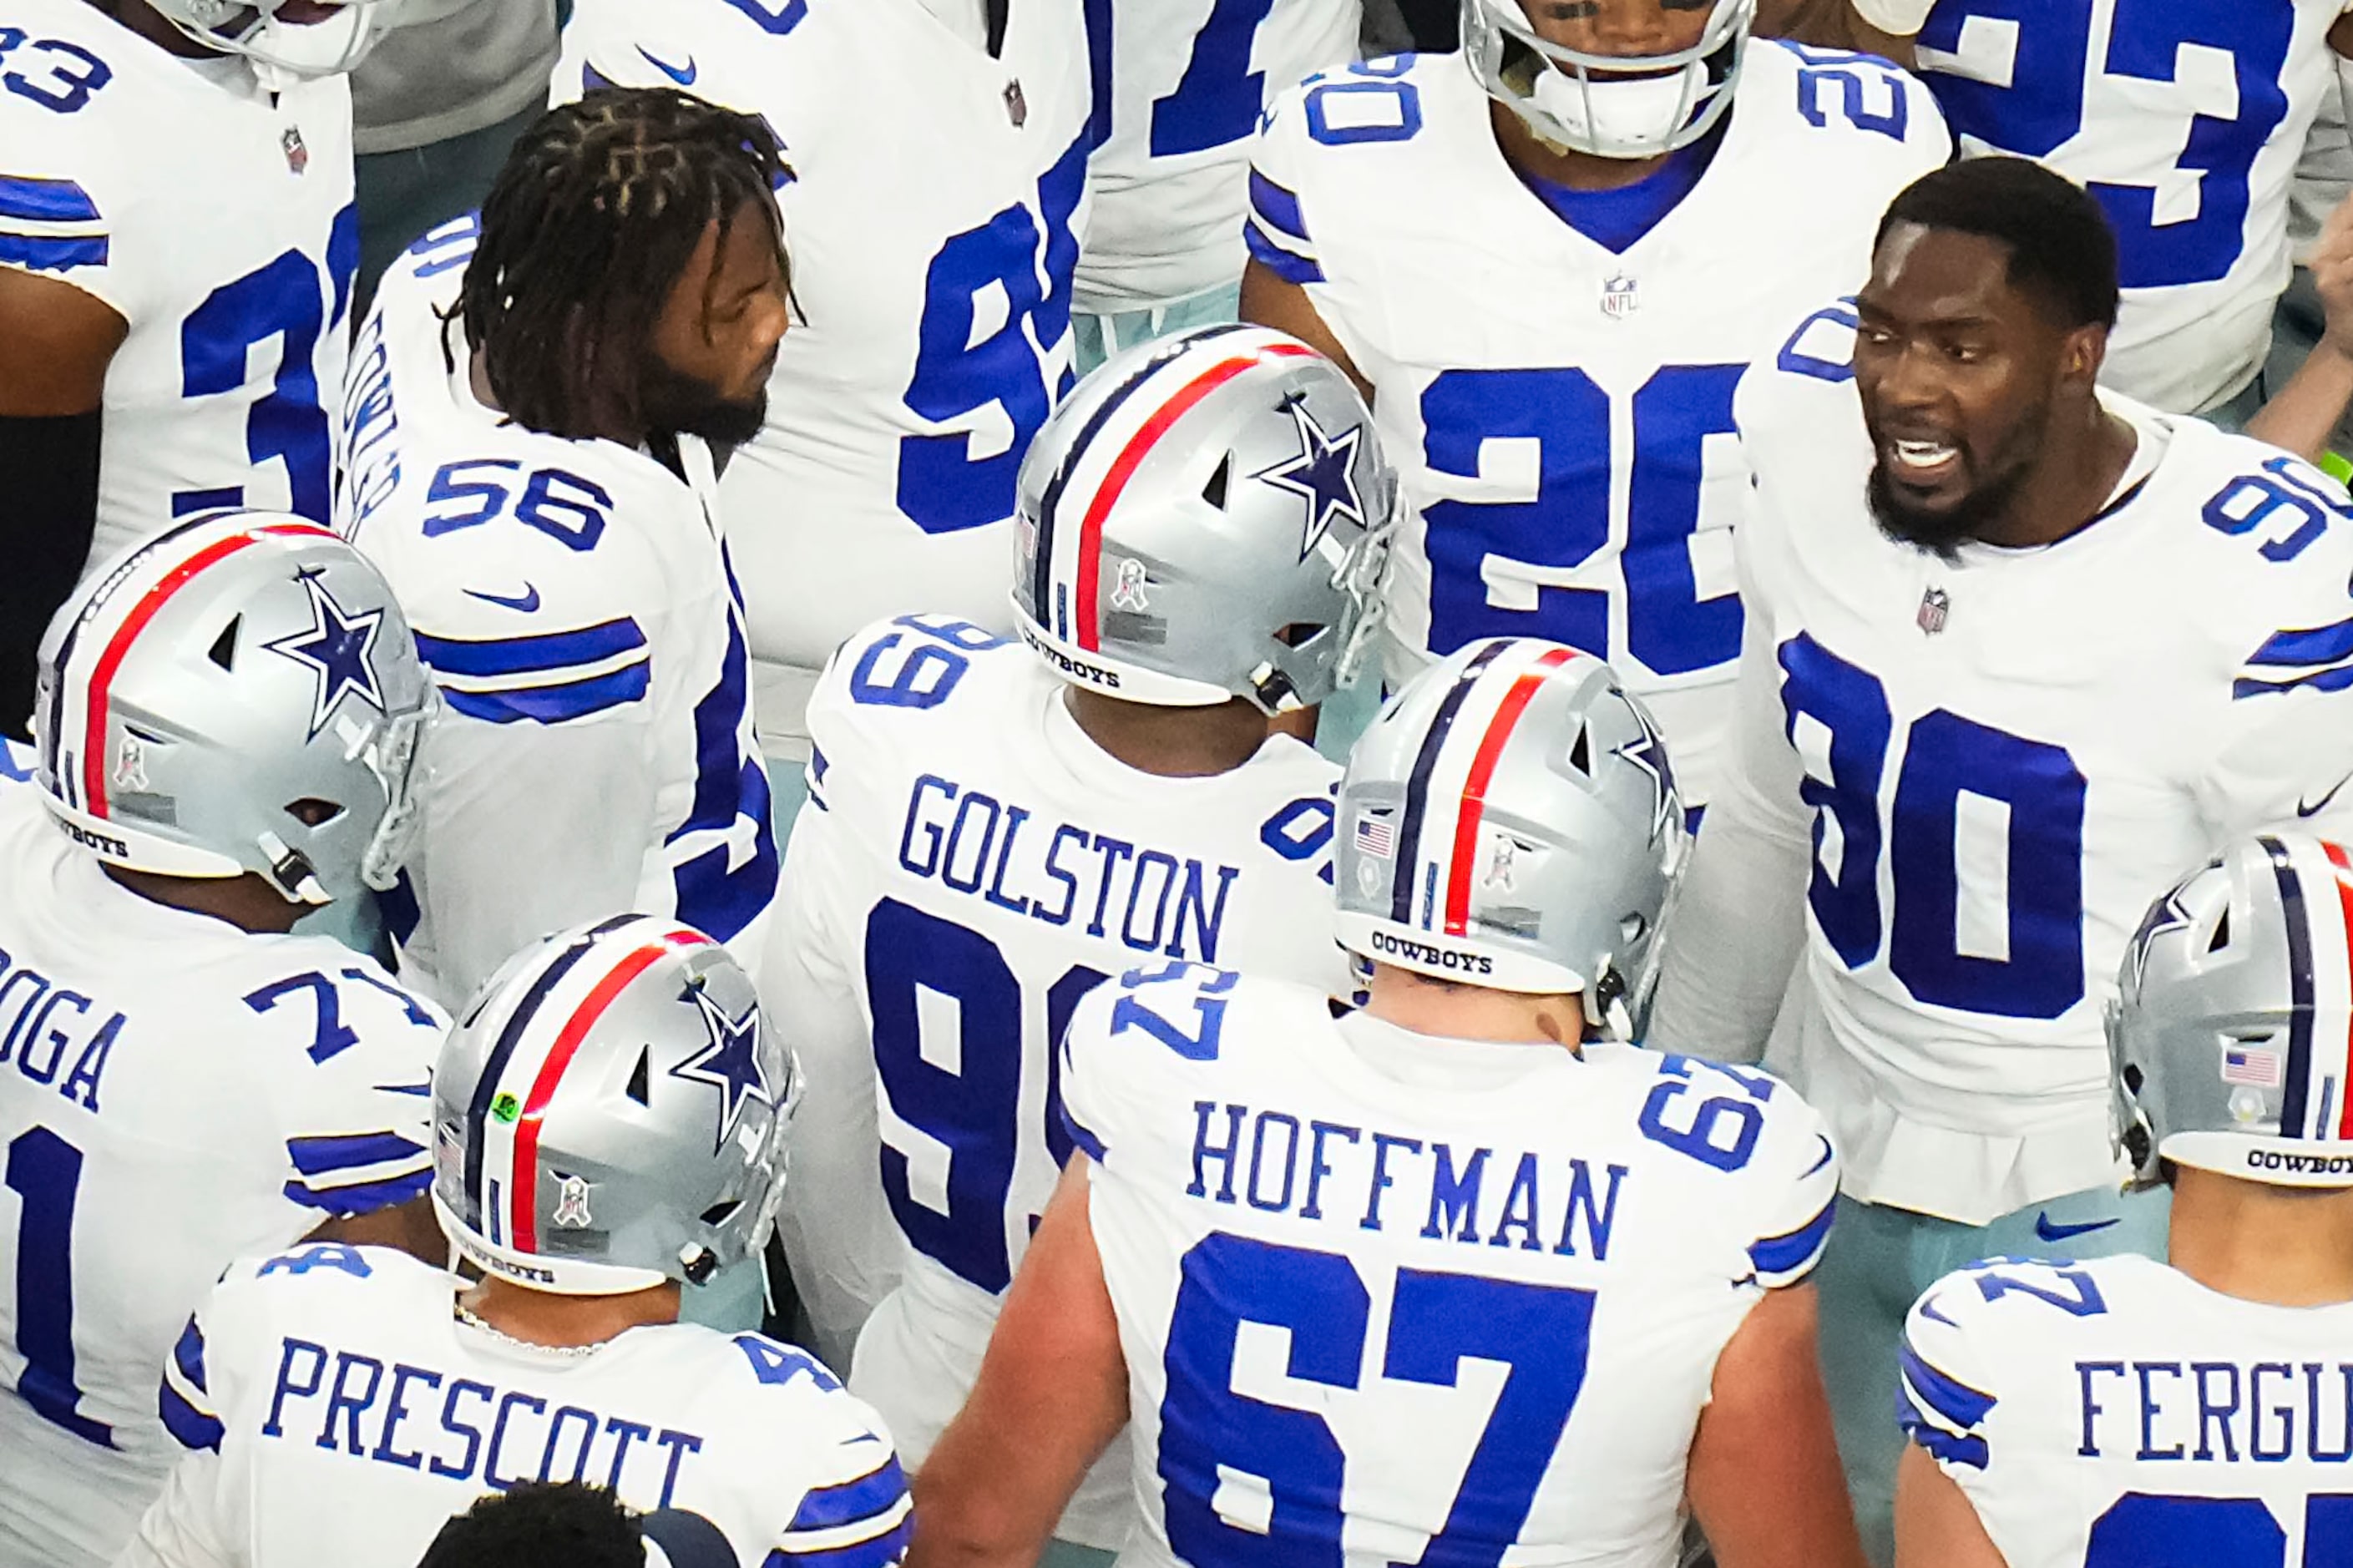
point(177, 242)
point(2185, 121)
point(1646, 200)
point(939, 151)
point(530, 422)
point(228, 715)
point(1188, 81)
point(2019, 649)
point(1464, 1276)
point(993, 829)
point(610, 1132)
point(2121, 1411)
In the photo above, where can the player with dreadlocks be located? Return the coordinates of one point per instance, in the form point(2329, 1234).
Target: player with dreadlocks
point(529, 431)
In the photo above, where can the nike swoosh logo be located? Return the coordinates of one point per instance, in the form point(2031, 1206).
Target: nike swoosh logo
point(683, 76)
point(527, 601)
point(2048, 1229)
point(2314, 807)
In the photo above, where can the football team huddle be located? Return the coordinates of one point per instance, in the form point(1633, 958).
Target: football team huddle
point(922, 813)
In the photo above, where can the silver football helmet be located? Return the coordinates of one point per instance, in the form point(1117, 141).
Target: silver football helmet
point(237, 694)
point(2229, 1034)
point(1511, 821)
point(282, 52)
point(1607, 106)
point(610, 1112)
point(1206, 517)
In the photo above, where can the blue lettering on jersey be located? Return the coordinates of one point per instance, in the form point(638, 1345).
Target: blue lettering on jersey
point(1281, 1163)
point(2016, 81)
point(371, 456)
point(348, 1402)
point(51, 1034)
point(2216, 1412)
point(1150, 899)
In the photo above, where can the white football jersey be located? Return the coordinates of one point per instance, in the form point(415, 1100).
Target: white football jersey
point(2004, 757)
point(1312, 1229)
point(2185, 119)
point(1188, 81)
point(174, 1094)
point(573, 603)
point(2118, 1412)
point(970, 865)
point(933, 219)
point(1564, 430)
point(214, 218)
point(333, 1395)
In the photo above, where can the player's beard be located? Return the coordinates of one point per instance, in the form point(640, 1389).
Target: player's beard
point(682, 405)
point(1945, 530)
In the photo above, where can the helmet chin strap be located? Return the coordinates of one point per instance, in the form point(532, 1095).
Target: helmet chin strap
point(291, 873)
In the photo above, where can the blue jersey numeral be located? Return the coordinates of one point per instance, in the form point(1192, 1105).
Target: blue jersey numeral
point(45, 1173)
point(63, 75)
point(472, 492)
point(970, 1111)
point(920, 671)
point(1216, 102)
point(2038, 972)
point(1023, 260)
point(1540, 1334)
point(2148, 1530)
point(2044, 49)
point(1363, 102)
point(280, 300)
point(1535, 545)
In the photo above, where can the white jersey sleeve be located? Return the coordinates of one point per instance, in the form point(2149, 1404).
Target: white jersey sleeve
point(2287, 746)
point(835, 1222)
point(1739, 922)
point(1188, 81)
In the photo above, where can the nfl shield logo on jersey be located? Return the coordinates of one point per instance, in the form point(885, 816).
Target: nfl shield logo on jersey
point(297, 156)
point(1621, 296)
point(1934, 606)
point(1016, 105)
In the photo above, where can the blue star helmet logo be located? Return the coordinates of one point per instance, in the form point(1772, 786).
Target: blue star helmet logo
point(1323, 474)
point(1648, 752)
point(340, 650)
point(2167, 914)
point(729, 1063)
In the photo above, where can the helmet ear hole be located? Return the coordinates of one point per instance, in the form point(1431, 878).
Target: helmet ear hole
point(224, 649)
point(638, 1087)
point(2221, 937)
point(717, 1213)
point(1214, 492)
point(313, 812)
point(1580, 752)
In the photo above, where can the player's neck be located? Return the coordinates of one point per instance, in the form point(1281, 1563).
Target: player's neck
point(246, 902)
point(1454, 1012)
point(2083, 461)
point(2274, 1244)
point(604, 423)
point(1577, 171)
point(1171, 742)
point(142, 19)
point(541, 1318)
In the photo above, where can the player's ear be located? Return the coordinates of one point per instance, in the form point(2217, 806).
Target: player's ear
point(2084, 351)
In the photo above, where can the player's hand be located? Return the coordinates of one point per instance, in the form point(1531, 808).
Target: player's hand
point(2331, 262)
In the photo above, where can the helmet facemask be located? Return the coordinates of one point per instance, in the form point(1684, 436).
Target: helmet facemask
point(283, 53)
point(1600, 105)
